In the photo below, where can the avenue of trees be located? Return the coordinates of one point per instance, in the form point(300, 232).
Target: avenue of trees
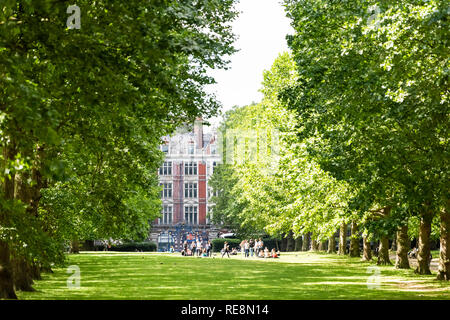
point(81, 116)
point(354, 131)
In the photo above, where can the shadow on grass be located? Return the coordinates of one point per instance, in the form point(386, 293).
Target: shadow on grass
point(313, 276)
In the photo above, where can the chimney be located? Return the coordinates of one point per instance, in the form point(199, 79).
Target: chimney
point(198, 132)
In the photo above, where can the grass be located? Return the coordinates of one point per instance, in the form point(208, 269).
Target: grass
point(299, 275)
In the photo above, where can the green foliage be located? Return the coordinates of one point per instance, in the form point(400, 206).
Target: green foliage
point(82, 112)
point(217, 244)
point(131, 247)
point(372, 100)
point(269, 184)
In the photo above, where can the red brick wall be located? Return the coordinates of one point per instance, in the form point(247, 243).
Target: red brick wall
point(178, 194)
point(202, 192)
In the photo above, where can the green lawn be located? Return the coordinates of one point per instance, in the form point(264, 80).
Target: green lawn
point(299, 275)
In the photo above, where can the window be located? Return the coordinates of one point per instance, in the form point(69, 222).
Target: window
point(190, 190)
point(165, 148)
point(167, 190)
point(214, 165)
point(166, 169)
point(191, 148)
point(167, 215)
point(190, 168)
point(190, 214)
point(213, 149)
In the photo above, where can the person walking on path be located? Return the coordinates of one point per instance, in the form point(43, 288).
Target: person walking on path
point(208, 248)
point(246, 248)
point(251, 245)
point(226, 249)
point(241, 245)
point(199, 248)
point(193, 248)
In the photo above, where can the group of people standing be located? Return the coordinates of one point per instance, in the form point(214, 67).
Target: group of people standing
point(197, 247)
point(252, 247)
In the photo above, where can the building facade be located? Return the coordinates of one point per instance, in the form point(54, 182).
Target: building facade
point(189, 163)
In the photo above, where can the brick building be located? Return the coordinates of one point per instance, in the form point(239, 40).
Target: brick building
point(188, 165)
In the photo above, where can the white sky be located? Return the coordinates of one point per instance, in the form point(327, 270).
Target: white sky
point(261, 28)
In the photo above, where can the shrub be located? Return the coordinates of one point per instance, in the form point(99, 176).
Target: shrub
point(132, 247)
point(217, 244)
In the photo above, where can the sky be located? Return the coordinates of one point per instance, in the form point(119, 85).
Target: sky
point(261, 29)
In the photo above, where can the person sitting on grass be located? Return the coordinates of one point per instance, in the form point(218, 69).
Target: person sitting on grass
point(266, 253)
point(204, 253)
point(278, 253)
point(234, 252)
point(274, 254)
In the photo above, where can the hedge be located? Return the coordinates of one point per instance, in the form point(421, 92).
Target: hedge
point(217, 244)
point(132, 247)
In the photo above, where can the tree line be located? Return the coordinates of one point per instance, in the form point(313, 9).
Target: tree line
point(360, 112)
point(82, 112)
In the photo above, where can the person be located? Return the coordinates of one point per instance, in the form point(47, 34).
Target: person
point(226, 249)
point(208, 248)
point(413, 253)
point(260, 254)
point(204, 253)
point(199, 248)
point(193, 247)
point(246, 248)
point(274, 254)
point(266, 253)
point(234, 252)
point(256, 247)
point(251, 245)
point(185, 247)
point(172, 250)
point(278, 253)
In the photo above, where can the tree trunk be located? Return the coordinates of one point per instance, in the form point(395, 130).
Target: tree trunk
point(305, 244)
point(6, 270)
point(367, 250)
point(290, 242)
point(354, 241)
point(283, 244)
point(444, 255)
point(332, 244)
point(75, 246)
point(322, 246)
point(423, 256)
point(403, 246)
point(21, 269)
point(314, 245)
point(383, 252)
point(394, 243)
point(35, 271)
point(22, 275)
point(298, 244)
point(342, 239)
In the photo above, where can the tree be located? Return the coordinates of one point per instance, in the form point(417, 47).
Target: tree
point(82, 113)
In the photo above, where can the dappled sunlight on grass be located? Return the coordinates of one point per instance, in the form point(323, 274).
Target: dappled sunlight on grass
point(298, 275)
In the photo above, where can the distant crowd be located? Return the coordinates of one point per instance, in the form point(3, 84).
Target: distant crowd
point(197, 248)
point(250, 248)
